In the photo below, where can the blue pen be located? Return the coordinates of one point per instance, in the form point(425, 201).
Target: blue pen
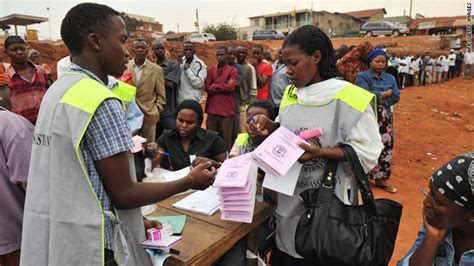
point(164, 153)
point(227, 155)
point(252, 118)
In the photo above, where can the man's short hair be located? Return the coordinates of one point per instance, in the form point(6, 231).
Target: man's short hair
point(12, 40)
point(82, 20)
point(139, 41)
point(222, 48)
point(188, 42)
point(158, 42)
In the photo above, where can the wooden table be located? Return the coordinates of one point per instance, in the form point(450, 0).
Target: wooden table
point(207, 238)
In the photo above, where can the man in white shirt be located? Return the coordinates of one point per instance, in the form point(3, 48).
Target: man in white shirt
point(451, 64)
point(446, 68)
point(468, 61)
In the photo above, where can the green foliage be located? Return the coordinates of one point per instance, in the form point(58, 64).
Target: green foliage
point(222, 31)
point(131, 24)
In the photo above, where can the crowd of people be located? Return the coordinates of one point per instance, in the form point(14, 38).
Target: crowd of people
point(71, 191)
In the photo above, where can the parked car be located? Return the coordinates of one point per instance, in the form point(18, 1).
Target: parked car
point(202, 37)
point(268, 35)
point(375, 28)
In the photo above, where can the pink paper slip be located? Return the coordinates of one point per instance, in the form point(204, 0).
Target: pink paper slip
point(278, 152)
point(234, 202)
point(240, 196)
point(236, 208)
point(311, 133)
point(234, 172)
point(234, 190)
point(243, 217)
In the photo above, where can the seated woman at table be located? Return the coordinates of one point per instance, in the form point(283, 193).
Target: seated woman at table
point(188, 140)
point(447, 236)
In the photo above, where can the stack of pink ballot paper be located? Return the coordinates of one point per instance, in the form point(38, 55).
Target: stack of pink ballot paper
point(237, 183)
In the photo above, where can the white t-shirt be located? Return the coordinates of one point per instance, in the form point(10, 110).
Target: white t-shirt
point(63, 65)
point(452, 59)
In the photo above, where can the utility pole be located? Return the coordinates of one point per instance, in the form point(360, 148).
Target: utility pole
point(411, 5)
point(197, 20)
point(49, 22)
point(177, 25)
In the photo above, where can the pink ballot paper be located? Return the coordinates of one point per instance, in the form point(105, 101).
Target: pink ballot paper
point(234, 172)
point(278, 152)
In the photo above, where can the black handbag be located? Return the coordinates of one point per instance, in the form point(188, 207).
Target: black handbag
point(332, 233)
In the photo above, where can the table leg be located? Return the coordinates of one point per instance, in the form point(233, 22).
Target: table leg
point(252, 245)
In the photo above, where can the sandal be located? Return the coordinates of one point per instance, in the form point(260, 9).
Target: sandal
point(387, 187)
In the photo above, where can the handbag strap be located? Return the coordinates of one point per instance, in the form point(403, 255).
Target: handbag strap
point(326, 189)
point(361, 177)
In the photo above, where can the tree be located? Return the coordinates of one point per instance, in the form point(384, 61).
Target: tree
point(131, 24)
point(222, 31)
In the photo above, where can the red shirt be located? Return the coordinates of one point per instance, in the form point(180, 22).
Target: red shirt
point(264, 68)
point(27, 96)
point(220, 85)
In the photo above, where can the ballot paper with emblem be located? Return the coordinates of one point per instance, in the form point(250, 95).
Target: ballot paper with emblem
point(235, 172)
point(278, 152)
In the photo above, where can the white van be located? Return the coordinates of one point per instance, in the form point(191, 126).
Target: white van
point(202, 37)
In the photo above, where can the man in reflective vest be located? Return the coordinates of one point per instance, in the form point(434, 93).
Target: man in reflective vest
point(82, 203)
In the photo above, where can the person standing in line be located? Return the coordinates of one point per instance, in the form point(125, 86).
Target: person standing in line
point(232, 57)
point(193, 75)
point(278, 82)
point(247, 88)
point(172, 75)
point(403, 70)
point(148, 78)
point(468, 62)
point(445, 63)
point(384, 86)
point(451, 64)
point(263, 70)
point(28, 82)
point(16, 139)
point(221, 82)
point(428, 69)
point(458, 64)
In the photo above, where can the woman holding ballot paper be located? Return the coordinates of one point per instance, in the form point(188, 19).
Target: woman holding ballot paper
point(319, 98)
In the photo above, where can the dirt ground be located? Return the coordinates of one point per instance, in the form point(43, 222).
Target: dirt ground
point(432, 124)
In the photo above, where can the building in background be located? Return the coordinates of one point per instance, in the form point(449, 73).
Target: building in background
point(439, 25)
point(334, 24)
point(376, 14)
point(150, 28)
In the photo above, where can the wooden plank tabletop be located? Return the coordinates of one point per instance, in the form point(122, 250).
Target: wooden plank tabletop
point(207, 238)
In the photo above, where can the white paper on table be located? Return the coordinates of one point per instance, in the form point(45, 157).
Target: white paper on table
point(204, 202)
point(163, 175)
point(148, 209)
point(286, 183)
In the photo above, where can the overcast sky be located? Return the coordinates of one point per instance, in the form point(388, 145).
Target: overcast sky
point(172, 12)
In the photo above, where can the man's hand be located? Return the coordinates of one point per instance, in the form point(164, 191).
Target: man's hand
point(436, 234)
point(201, 159)
point(151, 224)
point(186, 66)
point(201, 176)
